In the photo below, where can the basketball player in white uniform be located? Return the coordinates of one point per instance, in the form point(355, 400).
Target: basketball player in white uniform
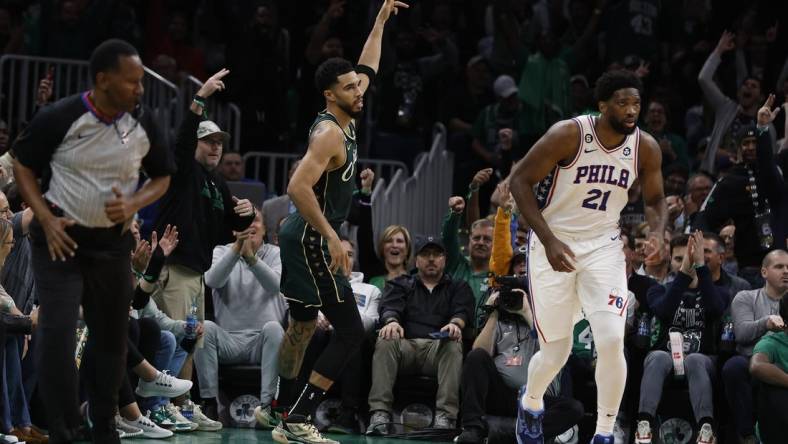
point(571, 188)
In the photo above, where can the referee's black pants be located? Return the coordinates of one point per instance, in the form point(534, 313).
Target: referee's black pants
point(99, 278)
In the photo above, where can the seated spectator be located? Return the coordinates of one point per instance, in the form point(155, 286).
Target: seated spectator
point(674, 148)
point(472, 269)
point(278, 208)
point(17, 280)
point(11, 325)
point(231, 167)
point(414, 307)
point(250, 315)
point(714, 254)
point(769, 366)
point(691, 306)
point(367, 300)
point(698, 188)
point(394, 245)
point(15, 418)
point(170, 347)
point(727, 234)
point(497, 367)
point(755, 313)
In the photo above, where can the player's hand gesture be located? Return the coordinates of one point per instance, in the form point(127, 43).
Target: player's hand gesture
point(560, 256)
point(388, 7)
point(215, 83)
point(340, 263)
point(766, 114)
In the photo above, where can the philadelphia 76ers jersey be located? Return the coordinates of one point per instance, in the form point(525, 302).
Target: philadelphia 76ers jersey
point(584, 199)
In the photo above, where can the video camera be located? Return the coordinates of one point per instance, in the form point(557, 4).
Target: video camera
point(508, 299)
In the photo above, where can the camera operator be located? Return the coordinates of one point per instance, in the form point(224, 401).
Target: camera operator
point(497, 367)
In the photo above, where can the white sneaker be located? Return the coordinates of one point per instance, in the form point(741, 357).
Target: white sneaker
point(643, 435)
point(9, 439)
point(181, 424)
point(304, 432)
point(204, 423)
point(265, 417)
point(165, 385)
point(148, 427)
point(706, 435)
point(125, 430)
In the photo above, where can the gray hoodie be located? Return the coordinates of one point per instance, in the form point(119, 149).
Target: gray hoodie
point(750, 311)
point(246, 297)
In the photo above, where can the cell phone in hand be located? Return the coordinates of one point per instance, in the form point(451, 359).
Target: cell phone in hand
point(439, 335)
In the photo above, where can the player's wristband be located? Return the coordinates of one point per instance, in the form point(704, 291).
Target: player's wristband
point(368, 71)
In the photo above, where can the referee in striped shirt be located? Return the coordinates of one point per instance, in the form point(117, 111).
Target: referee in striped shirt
point(88, 150)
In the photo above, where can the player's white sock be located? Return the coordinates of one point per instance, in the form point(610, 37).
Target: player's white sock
point(543, 367)
point(611, 367)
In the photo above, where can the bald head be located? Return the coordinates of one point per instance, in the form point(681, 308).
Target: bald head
point(773, 257)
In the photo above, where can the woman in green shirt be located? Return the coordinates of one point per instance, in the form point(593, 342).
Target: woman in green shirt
point(394, 249)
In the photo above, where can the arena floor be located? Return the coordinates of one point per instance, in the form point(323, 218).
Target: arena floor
point(238, 436)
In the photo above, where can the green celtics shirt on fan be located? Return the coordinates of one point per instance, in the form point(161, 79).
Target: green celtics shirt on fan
point(304, 252)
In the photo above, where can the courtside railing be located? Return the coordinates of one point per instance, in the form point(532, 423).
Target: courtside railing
point(417, 201)
point(20, 76)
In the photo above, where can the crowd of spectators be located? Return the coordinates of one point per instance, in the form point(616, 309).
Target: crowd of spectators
point(497, 73)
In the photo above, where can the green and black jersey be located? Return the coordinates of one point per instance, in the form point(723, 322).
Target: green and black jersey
point(305, 258)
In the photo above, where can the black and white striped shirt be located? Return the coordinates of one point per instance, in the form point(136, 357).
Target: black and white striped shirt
point(88, 154)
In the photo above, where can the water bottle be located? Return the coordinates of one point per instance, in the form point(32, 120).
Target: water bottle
point(187, 410)
point(643, 338)
point(728, 338)
point(191, 323)
point(190, 330)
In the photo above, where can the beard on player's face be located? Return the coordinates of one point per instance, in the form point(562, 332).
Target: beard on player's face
point(619, 126)
point(348, 108)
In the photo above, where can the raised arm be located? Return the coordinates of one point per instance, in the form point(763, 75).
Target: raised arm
point(705, 77)
point(560, 143)
point(370, 55)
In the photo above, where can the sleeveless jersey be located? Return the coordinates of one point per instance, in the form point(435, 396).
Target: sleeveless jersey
point(334, 189)
point(584, 199)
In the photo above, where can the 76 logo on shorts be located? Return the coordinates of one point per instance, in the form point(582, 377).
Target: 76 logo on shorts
point(618, 301)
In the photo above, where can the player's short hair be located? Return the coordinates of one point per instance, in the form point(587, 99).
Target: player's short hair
point(612, 81)
point(720, 248)
point(106, 56)
point(678, 241)
point(328, 71)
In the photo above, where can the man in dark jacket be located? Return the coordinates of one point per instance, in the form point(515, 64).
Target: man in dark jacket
point(689, 309)
point(199, 203)
point(751, 195)
point(414, 309)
